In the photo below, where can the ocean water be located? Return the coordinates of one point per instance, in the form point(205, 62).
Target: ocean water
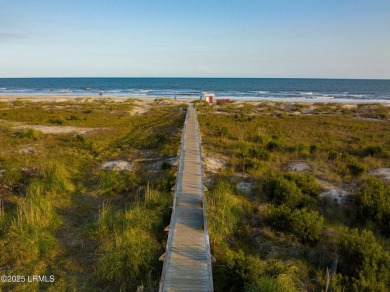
point(234, 88)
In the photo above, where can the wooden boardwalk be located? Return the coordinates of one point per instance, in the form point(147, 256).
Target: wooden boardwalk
point(187, 259)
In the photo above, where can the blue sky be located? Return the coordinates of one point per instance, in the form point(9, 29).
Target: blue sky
point(176, 38)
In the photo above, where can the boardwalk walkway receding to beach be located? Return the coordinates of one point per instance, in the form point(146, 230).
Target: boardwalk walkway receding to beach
point(187, 262)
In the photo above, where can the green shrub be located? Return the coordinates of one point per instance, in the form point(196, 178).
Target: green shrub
point(355, 167)
point(115, 182)
point(247, 164)
point(363, 260)
point(257, 139)
point(30, 134)
point(247, 267)
point(306, 182)
point(279, 217)
point(374, 202)
point(165, 183)
point(284, 191)
point(313, 149)
point(281, 283)
point(165, 166)
point(259, 153)
point(73, 118)
point(374, 150)
point(58, 121)
point(80, 138)
point(332, 155)
point(307, 225)
point(274, 146)
point(87, 111)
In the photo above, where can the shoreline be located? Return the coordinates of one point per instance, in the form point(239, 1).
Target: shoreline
point(67, 98)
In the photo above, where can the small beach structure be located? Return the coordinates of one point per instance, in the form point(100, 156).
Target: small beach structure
point(221, 100)
point(209, 97)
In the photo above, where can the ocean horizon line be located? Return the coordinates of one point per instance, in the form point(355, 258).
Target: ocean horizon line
point(173, 77)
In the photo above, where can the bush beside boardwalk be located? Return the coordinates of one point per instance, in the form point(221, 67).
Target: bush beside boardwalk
point(285, 234)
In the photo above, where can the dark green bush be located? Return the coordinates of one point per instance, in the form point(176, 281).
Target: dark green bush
point(355, 167)
point(284, 191)
point(80, 138)
point(306, 182)
point(115, 182)
point(249, 268)
point(57, 121)
point(279, 217)
point(257, 139)
point(313, 149)
point(373, 150)
point(259, 153)
point(272, 284)
point(274, 146)
point(165, 183)
point(73, 118)
point(306, 225)
point(166, 165)
point(364, 261)
point(332, 155)
point(374, 202)
point(249, 163)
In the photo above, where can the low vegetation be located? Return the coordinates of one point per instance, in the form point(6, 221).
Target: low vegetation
point(62, 215)
point(287, 233)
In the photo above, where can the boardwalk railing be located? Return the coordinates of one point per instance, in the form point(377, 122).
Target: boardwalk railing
point(187, 259)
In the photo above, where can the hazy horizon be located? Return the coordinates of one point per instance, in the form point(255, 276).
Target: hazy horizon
point(184, 77)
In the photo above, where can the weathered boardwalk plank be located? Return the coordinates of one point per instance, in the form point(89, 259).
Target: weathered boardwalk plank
point(187, 262)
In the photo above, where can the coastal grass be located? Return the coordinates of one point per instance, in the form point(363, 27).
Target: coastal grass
point(135, 246)
point(52, 190)
point(283, 235)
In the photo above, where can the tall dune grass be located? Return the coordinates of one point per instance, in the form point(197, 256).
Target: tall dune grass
point(126, 255)
point(2, 217)
point(55, 177)
point(224, 211)
point(129, 239)
point(31, 232)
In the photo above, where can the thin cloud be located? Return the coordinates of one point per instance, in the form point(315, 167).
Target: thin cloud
point(6, 36)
